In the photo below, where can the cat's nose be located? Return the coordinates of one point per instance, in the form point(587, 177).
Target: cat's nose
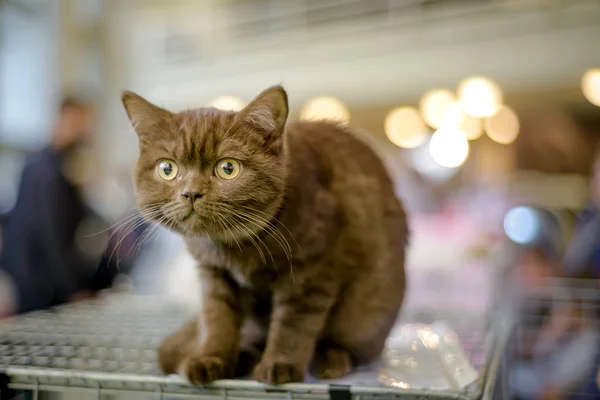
point(191, 196)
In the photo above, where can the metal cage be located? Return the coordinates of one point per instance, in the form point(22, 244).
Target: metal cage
point(552, 343)
point(106, 349)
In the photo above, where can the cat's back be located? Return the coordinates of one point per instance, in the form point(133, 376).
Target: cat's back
point(348, 166)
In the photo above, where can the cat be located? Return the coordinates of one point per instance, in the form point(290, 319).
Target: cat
point(299, 238)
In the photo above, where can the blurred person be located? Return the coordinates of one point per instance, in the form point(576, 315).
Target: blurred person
point(44, 250)
point(556, 353)
point(582, 256)
point(582, 259)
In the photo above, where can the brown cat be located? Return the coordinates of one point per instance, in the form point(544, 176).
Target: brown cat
point(296, 230)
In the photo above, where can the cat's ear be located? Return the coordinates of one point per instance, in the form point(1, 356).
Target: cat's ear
point(268, 111)
point(144, 116)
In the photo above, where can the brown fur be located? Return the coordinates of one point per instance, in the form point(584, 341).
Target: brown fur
point(306, 245)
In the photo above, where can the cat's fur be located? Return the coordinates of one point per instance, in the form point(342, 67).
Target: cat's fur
point(306, 245)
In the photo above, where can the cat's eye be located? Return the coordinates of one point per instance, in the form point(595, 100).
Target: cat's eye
point(167, 169)
point(228, 169)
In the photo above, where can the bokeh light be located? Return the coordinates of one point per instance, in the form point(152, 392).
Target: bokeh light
point(434, 105)
point(479, 97)
point(503, 127)
point(227, 103)
point(404, 127)
point(455, 117)
point(522, 225)
point(590, 85)
point(325, 107)
point(449, 147)
point(423, 163)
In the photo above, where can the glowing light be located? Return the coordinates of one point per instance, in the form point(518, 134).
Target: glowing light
point(325, 108)
point(422, 161)
point(404, 127)
point(479, 97)
point(522, 225)
point(455, 117)
point(590, 85)
point(503, 127)
point(449, 147)
point(434, 105)
point(227, 103)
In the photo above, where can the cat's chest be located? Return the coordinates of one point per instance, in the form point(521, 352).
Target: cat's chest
point(245, 268)
point(259, 280)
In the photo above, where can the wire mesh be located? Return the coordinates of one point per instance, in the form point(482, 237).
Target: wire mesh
point(552, 348)
point(107, 347)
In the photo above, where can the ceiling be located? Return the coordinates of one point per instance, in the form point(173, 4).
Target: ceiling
point(365, 52)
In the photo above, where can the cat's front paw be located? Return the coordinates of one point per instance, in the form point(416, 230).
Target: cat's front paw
point(332, 363)
point(199, 369)
point(275, 372)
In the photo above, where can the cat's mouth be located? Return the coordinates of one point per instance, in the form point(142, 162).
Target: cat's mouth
point(192, 214)
point(194, 222)
point(224, 226)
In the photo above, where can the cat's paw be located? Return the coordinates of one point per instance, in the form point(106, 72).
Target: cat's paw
point(275, 372)
point(199, 369)
point(332, 363)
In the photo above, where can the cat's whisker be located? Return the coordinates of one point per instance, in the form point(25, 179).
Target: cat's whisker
point(172, 210)
point(138, 217)
point(117, 225)
point(153, 231)
point(248, 234)
point(286, 251)
point(218, 208)
point(257, 238)
point(145, 237)
point(262, 224)
point(137, 221)
point(281, 243)
point(129, 230)
point(251, 209)
point(223, 222)
point(273, 229)
point(267, 225)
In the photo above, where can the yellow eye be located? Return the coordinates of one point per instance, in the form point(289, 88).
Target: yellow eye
point(167, 169)
point(228, 169)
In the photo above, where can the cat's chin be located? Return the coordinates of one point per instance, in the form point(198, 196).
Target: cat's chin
point(197, 230)
point(196, 225)
point(218, 234)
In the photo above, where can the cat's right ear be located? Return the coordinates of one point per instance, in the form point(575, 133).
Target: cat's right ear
point(145, 117)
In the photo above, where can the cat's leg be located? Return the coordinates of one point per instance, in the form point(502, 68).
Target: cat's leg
point(253, 343)
point(177, 347)
point(216, 353)
point(300, 310)
point(331, 361)
point(365, 315)
point(370, 304)
point(182, 343)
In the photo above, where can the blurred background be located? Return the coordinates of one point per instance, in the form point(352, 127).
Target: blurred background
point(486, 112)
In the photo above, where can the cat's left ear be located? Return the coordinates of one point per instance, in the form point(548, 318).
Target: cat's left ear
point(146, 118)
point(268, 112)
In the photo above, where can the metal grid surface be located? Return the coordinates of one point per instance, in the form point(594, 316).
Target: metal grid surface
point(551, 343)
point(107, 347)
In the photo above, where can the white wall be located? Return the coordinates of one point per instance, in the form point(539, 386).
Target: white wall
point(28, 70)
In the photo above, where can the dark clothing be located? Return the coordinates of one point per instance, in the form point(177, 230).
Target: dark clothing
point(582, 256)
point(40, 251)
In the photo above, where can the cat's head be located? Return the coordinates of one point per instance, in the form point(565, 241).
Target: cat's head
point(210, 172)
